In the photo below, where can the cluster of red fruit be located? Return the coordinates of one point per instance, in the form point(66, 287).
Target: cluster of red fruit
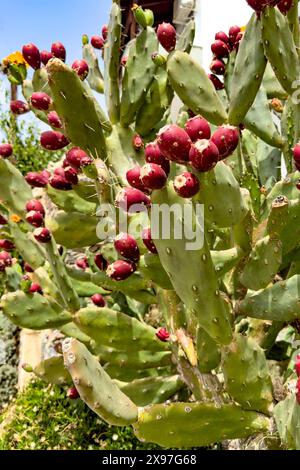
point(223, 45)
point(259, 5)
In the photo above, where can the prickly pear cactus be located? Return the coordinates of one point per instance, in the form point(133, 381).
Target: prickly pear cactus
point(171, 263)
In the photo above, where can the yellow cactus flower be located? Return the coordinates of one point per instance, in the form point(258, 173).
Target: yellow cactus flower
point(15, 218)
point(15, 58)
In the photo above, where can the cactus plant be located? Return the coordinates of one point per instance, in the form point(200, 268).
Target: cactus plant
point(221, 300)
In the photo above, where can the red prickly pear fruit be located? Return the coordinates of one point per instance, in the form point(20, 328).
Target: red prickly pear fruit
point(137, 142)
point(133, 177)
point(77, 158)
point(296, 152)
point(217, 67)
point(41, 101)
point(82, 263)
point(19, 107)
point(174, 143)
point(81, 68)
point(6, 150)
point(42, 235)
point(233, 32)
point(298, 184)
point(298, 391)
point(97, 42)
point(28, 268)
point(285, 6)
point(3, 220)
point(153, 176)
point(98, 300)
point(72, 393)
point(127, 246)
point(297, 365)
point(59, 50)
point(35, 218)
point(104, 31)
point(53, 140)
point(5, 260)
point(6, 244)
point(198, 128)
point(148, 242)
point(124, 61)
point(132, 200)
point(166, 34)
point(226, 138)
point(120, 270)
point(100, 262)
point(154, 155)
point(186, 185)
point(222, 37)
point(35, 288)
point(35, 205)
point(71, 175)
point(204, 155)
point(32, 55)
point(260, 5)
point(220, 49)
point(46, 56)
point(60, 182)
point(54, 120)
point(38, 179)
point(216, 82)
point(59, 171)
point(163, 335)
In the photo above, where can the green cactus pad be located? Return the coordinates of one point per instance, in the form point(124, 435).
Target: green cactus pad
point(14, 191)
point(225, 260)
point(208, 352)
point(151, 269)
point(71, 330)
point(94, 78)
point(138, 360)
point(65, 223)
point(246, 374)
point(248, 72)
point(70, 201)
point(186, 39)
point(128, 375)
point(33, 311)
point(189, 80)
point(287, 417)
point(53, 371)
point(184, 425)
point(272, 85)
point(26, 245)
point(95, 386)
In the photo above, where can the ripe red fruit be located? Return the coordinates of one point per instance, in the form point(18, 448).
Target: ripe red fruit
point(163, 335)
point(137, 142)
point(133, 177)
point(53, 140)
point(153, 176)
point(166, 34)
point(97, 42)
point(298, 391)
point(32, 55)
point(154, 155)
point(42, 235)
point(38, 179)
point(6, 150)
point(174, 143)
point(217, 67)
point(54, 120)
point(186, 185)
point(100, 262)
point(35, 205)
point(127, 246)
point(3, 220)
point(19, 107)
point(6, 244)
point(226, 138)
point(222, 37)
point(41, 101)
point(81, 67)
point(220, 49)
point(132, 200)
point(285, 5)
point(233, 32)
point(120, 270)
point(72, 393)
point(5, 260)
point(60, 182)
point(204, 155)
point(148, 242)
point(71, 175)
point(296, 152)
point(28, 268)
point(104, 31)
point(35, 288)
point(46, 56)
point(77, 158)
point(198, 128)
point(98, 300)
point(297, 365)
point(59, 50)
point(216, 82)
point(82, 263)
point(35, 218)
